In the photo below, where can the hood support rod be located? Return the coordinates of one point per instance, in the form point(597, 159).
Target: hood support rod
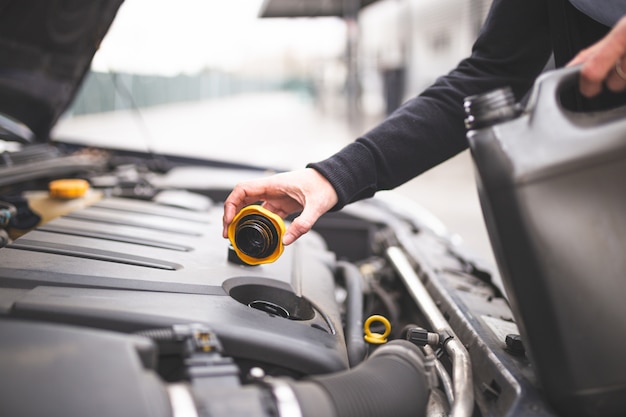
point(463, 404)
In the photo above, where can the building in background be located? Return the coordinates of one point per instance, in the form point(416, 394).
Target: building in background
point(355, 59)
point(419, 39)
point(393, 50)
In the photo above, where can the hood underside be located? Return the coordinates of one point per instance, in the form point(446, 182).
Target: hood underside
point(46, 47)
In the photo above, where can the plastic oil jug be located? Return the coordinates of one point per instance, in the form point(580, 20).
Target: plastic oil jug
point(552, 185)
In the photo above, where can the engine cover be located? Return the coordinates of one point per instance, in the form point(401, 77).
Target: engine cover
point(130, 265)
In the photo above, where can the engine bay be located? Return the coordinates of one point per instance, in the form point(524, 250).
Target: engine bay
point(120, 297)
point(133, 299)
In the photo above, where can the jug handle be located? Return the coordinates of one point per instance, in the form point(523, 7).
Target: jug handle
point(545, 105)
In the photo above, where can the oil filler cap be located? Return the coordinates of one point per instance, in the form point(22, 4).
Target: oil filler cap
point(256, 235)
point(68, 188)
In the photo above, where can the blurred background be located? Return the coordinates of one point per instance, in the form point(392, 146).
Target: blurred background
point(278, 83)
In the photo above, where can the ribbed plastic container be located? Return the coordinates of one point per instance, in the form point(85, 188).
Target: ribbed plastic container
point(552, 185)
point(52, 204)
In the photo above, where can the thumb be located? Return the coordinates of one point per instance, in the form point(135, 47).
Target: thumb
point(299, 226)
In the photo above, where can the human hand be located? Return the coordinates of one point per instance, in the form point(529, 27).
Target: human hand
point(303, 190)
point(604, 62)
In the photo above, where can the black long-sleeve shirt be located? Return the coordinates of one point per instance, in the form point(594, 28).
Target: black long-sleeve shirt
point(513, 47)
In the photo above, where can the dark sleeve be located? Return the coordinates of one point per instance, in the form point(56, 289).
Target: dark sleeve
point(511, 50)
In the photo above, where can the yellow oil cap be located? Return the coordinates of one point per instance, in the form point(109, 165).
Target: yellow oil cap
point(68, 188)
point(257, 235)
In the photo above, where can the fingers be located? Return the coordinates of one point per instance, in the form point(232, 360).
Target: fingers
point(320, 196)
point(286, 193)
point(230, 210)
point(599, 63)
point(581, 57)
point(303, 223)
point(599, 69)
point(279, 193)
point(296, 229)
point(591, 80)
point(243, 194)
point(597, 73)
point(616, 80)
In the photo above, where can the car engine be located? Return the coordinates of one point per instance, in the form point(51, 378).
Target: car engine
point(126, 300)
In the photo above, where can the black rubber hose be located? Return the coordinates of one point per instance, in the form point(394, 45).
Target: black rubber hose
point(394, 381)
point(354, 313)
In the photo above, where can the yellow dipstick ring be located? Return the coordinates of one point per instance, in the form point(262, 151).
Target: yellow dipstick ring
point(376, 338)
point(257, 235)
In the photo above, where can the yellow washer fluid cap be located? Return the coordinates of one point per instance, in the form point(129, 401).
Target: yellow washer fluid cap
point(257, 235)
point(376, 338)
point(68, 188)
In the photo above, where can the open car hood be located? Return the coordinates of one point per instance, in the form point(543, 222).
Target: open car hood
point(44, 61)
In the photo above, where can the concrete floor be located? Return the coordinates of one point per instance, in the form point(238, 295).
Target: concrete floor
point(279, 130)
point(449, 192)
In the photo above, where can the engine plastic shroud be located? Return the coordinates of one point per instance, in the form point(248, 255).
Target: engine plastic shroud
point(126, 265)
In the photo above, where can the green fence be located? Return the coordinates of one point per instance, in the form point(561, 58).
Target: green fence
point(103, 92)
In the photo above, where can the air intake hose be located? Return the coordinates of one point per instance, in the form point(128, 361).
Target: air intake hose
point(393, 381)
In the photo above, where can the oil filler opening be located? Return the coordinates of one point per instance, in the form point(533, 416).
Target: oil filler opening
point(272, 300)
